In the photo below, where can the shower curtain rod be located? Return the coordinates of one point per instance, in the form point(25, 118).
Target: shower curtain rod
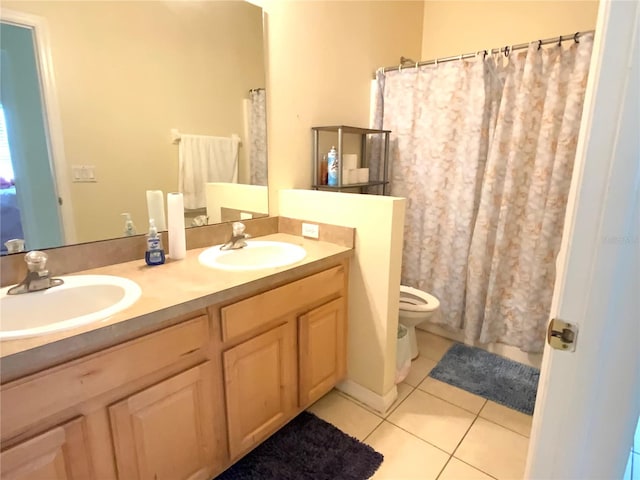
point(506, 50)
point(255, 89)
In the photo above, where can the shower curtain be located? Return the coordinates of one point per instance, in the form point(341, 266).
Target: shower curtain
point(440, 129)
point(258, 137)
point(483, 151)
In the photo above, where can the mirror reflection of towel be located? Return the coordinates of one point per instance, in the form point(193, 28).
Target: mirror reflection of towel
point(205, 159)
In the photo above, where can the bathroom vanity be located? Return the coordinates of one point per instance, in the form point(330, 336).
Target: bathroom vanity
point(202, 369)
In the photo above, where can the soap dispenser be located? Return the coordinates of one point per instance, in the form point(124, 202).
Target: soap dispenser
point(129, 227)
point(155, 252)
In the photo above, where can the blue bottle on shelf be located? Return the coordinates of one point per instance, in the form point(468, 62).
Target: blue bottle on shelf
point(332, 167)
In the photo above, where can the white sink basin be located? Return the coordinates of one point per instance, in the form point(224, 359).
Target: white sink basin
point(257, 255)
point(80, 300)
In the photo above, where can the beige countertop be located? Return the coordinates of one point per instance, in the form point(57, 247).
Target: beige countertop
point(168, 291)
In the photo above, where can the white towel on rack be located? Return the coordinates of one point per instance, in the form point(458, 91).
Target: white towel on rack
point(205, 159)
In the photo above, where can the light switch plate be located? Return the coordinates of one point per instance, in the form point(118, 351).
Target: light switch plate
point(83, 173)
point(310, 230)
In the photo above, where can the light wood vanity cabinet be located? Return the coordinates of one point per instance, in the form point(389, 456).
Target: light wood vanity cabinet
point(282, 350)
point(124, 412)
point(186, 401)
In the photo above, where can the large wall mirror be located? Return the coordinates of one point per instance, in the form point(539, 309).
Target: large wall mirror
point(133, 80)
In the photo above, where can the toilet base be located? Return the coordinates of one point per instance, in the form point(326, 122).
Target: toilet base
point(413, 341)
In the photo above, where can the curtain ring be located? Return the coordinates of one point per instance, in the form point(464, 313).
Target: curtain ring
point(506, 51)
point(539, 44)
point(417, 65)
point(575, 37)
point(560, 41)
point(436, 62)
point(399, 68)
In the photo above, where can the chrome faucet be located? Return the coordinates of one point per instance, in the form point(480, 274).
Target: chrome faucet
point(237, 237)
point(38, 277)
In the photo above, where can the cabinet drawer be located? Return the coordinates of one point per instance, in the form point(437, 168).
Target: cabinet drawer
point(250, 314)
point(59, 388)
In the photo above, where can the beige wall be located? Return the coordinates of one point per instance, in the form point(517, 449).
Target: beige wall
point(321, 56)
point(374, 282)
point(246, 198)
point(120, 97)
point(455, 27)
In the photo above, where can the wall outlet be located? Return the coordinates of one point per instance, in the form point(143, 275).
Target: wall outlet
point(310, 230)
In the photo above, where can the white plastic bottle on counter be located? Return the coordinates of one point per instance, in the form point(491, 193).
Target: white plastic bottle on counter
point(129, 227)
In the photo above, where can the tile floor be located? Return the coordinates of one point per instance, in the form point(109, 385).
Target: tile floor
point(433, 430)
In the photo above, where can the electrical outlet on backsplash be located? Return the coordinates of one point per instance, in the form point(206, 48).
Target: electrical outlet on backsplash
point(310, 230)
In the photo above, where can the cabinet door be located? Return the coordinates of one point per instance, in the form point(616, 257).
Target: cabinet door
point(59, 453)
point(260, 381)
point(166, 432)
point(323, 350)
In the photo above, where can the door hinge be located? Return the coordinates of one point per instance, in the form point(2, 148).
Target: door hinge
point(562, 335)
point(59, 200)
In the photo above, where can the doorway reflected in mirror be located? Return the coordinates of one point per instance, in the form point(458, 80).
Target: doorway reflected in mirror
point(147, 67)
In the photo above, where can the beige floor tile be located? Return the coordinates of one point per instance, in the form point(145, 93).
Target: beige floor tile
point(457, 470)
point(405, 456)
point(451, 394)
point(495, 450)
point(404, 390)
point(507, 417)
point(432, 346)
point(432, 419)
point(420, 368)
point(345, 414)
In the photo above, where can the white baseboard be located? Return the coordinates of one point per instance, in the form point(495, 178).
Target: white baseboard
point(379, 403)
point(512, 353)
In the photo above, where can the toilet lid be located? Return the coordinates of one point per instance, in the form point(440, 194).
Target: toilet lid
point(414, 300)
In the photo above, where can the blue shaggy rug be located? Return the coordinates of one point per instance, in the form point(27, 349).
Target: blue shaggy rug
point(491, 376)
point(307, 448)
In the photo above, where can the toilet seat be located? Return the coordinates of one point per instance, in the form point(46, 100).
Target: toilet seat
point(414, 300)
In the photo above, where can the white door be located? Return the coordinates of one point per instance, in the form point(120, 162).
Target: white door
point(589, 401)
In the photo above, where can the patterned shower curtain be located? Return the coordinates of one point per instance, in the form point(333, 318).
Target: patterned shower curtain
point(483, 153)
point(526, 182)
point(258, 137)
point(440, 127)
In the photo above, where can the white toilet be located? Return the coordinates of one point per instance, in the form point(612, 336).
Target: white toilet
point(416, 306)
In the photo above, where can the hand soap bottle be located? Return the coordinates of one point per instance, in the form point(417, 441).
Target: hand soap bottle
point(155, 253)
point(129, 227)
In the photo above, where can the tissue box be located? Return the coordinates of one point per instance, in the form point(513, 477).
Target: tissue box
point(362, 175)
point(349, 176)
point(349, 161)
